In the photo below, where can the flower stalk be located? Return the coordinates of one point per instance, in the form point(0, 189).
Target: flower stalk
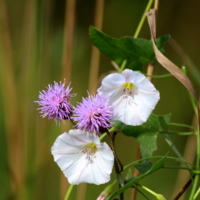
point(69, 191)
point(157, 196)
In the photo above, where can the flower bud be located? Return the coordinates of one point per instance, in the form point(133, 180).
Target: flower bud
point(107, 191)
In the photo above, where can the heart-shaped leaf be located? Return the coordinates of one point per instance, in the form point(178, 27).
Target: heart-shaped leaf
point(136, 51)
point(146, 134)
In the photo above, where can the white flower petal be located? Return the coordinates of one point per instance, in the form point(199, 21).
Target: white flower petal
point(127, 111)
point(68, 154)
point(131, 109)
point(111, 84)
point(146, 102)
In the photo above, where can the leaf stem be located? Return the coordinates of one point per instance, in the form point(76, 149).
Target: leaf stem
point(185, 168)
point(197, 193)
point(142, 19)
point(173, 158)
point(196, 179)
point(69, 191)
point(123, 66)
point(177, 133)
point(117, 163)
point(197, 112)
point(181, 125)
point(104, 134)
point(158, 76)
point(141, 193)
point(157, 196)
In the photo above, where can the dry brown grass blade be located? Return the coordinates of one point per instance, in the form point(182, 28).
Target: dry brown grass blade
point(165, 62)
point(95, 54)
point(10, 105)
point(69, 28)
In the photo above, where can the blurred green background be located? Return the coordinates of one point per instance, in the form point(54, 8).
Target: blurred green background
point(43, 41)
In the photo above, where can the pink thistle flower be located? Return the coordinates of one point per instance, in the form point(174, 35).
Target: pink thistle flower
point(93, 114)
point(55, 102)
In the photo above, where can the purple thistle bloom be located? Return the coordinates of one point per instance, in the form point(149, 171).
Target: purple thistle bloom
point(55, 102)
point(94, 114)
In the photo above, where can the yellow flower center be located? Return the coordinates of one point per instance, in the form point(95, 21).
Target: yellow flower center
point(128, 89)
point(129, 86)
point(91, 147)
point(90, 150)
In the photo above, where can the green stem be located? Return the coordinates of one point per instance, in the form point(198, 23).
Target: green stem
point(173, 158)
point(181, 125)
point(123, 66)
point(142, 19)
point(197, 172)
point(193, 102)
point(196, 179)
point(104, 134)
point(177, 133)
point(141, 193)
point(138, 30)
point(197, 193)
point(157, 196)
point(196, 110)
point(159, 76)
point(69, 191)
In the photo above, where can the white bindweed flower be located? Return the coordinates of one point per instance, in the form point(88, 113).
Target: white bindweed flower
point(82, 158)
point(132, 95)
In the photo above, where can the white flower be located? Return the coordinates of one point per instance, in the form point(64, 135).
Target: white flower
point(82, 158)
point(132, 95)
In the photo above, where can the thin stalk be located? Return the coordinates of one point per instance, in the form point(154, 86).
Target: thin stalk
point(181, 125)
point(68, 39)
point(192, 100)
point(156, 3)
point(67, 56)
point(157, 196)
point(196, 179)
point(123, 66)
point(135, 174)
point(197, 193)
point(10, 105)
point(150, 69)
point(137, 32)
point(104, 134)
point(95, 54)
point(69, 191)
point(197, 113)
point(169, 141)
point(133, 194)
point(177, 133)
point(183, 189)
point(190, 148)
point(141, 193)
point(188, 155)
point(197, 172)
point(153, 157)
point(117, 164)
point(159, 76)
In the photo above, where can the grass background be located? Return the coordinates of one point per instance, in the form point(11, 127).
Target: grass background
point(42, 41)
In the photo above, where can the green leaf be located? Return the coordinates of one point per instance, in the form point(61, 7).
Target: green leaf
point(158, 165)
point(129, 174)
point(143, 168)
point(136, 51)
point(146, 134)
